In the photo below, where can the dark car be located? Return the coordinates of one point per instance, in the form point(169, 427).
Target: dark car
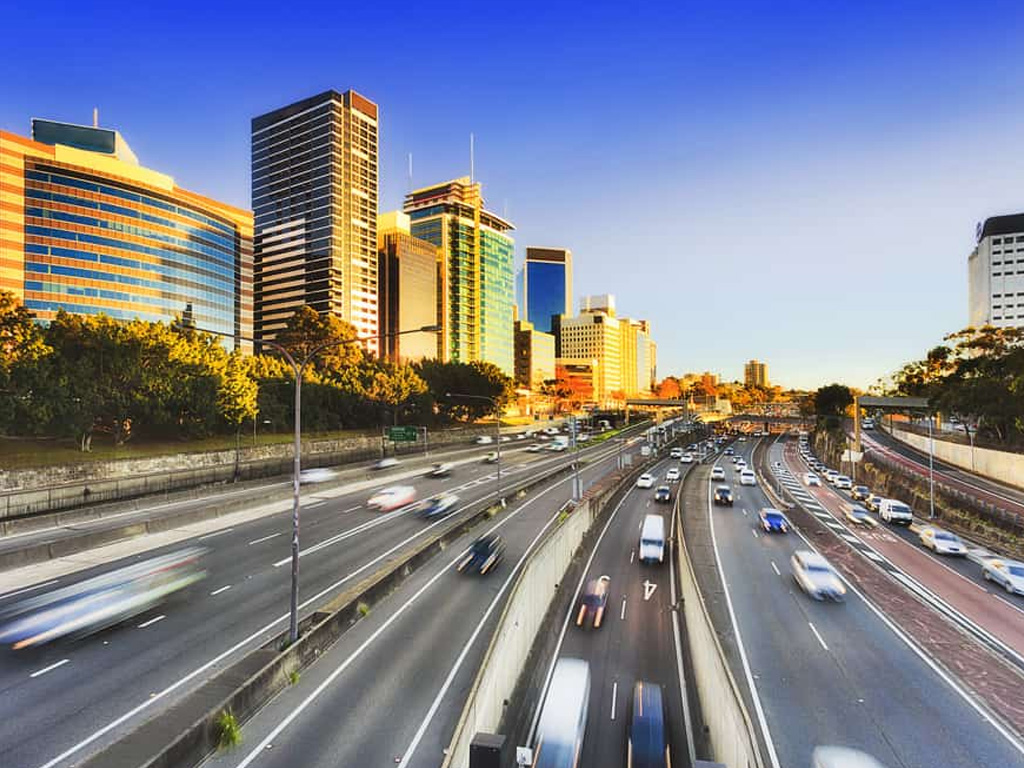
point(663, 494)
point(723, 495)
point(593, 602)
point(483, 554)
point(860, 492)
point(873, 502)
point(438, 506)
point(773, 521)
point(647, 745)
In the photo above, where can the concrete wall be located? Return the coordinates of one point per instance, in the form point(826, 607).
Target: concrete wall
point(731, 731)
point(517, 628)
point(1002, 466)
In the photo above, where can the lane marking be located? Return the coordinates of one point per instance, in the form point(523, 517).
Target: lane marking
point(817, 635)
point(775, 568)
point(648, 590)
point(351, 509)
point(754, 532)
point(152, 621)
point(615, 691)
point(28, 589)
point(632, 555)
point(215, 533)
point(218, 591)
point(622, 613)
point(265, 538)
point(676, 637)
point(50, 668)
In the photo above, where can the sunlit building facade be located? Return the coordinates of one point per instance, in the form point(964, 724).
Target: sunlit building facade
point(407, 276)
point(475, 277)
point(755, 374)
point(315, 194)
point(547, 286)
point(995, 273)
point(86, 229)
point(535, 356)
point(595, 334)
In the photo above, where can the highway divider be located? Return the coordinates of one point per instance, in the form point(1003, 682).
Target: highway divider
point(188, 732)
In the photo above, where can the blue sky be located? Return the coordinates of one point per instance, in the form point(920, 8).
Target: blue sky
point(796, 182)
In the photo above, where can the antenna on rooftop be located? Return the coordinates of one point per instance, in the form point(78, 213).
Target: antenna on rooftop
point(95, 117)
point(472, 176)
point(410, 171)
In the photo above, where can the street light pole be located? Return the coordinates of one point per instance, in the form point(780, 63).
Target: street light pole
point(931, 470)
point(299, 370)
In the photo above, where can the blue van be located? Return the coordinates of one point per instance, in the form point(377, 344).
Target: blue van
point(647, 745)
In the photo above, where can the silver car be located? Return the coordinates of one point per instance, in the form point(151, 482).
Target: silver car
point(1008, 573)
point(816, 577)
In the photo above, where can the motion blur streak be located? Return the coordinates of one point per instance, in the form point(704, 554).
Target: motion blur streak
point(100, 602)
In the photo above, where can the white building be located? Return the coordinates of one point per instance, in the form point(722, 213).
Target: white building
point(995, 273)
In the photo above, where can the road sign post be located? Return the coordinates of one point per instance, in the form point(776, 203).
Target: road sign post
point(406, 434)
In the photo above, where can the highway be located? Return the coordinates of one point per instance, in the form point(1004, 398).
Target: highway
point(637, 640)
point(828, 673)
point(391, 690)
point(65, 701)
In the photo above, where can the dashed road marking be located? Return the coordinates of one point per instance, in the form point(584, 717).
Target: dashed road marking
point(222, 589)
point(50, 668)
point(820, 639)
point(152, 621)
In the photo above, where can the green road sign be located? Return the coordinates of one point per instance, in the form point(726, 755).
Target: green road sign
point(403, 434)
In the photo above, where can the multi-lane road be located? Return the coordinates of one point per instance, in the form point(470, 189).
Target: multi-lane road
point(65, 701)
point(827, 673)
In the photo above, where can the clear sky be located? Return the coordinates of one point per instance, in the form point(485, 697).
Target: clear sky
point(793, 181)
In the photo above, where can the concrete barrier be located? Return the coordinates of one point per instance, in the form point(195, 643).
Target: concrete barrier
point(1001, 466)
point(730, 729)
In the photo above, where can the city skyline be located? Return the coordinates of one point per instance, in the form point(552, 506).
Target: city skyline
point(756, 205)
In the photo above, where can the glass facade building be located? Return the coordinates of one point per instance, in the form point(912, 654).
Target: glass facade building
point(476, 272)
point(547, 286)
point(408, 290)
point(85, 229)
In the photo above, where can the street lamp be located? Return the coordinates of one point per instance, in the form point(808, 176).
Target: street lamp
point(497, 416)
point(299, 369)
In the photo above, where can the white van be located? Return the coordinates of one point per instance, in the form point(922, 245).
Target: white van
point(652, 539)
point(895, 511)
point(747, 477)
point(645, 450)
point(563, 720)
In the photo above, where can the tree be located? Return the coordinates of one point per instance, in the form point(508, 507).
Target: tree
point(831, 402)
point(445, 381)
point(307, 329)
point(22, 352)
point(238, 393)
point(669, 388)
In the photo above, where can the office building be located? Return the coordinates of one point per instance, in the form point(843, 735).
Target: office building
point(86, 229)
point(755, 374)
point(535, 356)
point(407, 281)
point(995, 273)
point(314, 198)
point(594, 334)
point(582, 376)
point(476, 267)
point(547, 286)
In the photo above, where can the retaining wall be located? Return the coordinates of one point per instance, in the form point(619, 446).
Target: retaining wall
point(1001, 466)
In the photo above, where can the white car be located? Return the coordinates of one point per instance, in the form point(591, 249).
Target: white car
point(484, 440)
point(816, 577)
point(747, 477)
point(645, 481)
point(672, 475)
point(388, 499)
point(686, 458)
point(318, 475)
point(831, 475)
point(942, 542)
point(1008, 573)
point(387, 463)
point(535, 448)
point(442, 469)
point(718, 473)
point(843, 482)
point(895, 511)
point(740, 465)
point(676, 453)
point(811, 479)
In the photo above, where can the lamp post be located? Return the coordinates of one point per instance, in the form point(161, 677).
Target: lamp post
point(497, 417)
point(931, 470)
point(299, 369)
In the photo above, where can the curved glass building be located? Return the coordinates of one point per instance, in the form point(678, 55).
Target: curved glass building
point(85, 228)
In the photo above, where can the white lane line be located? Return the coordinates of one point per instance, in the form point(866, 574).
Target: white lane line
point(215, 533)
point(754, 533)
point(775, 568)
point(873, 556)
point(265, 538)
point(615, 691)
point(50, 668)
point(815, 631)
point(849, 538)
point(28, 589)
point(351, 509)
point(222, 589)
point(632, 555)
point(744, 511)
point(676, 634)
point(152, 621)
point(622, 613)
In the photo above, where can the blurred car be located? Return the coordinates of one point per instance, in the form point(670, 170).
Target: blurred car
point(491, 458)
point(842, 757)
point(773, 521)
point(583, 437)
point(441, 505)
point(483, 554)
point(645, 481)
point(1008, 573)
point(483, 440)
point(99, 602)
point(723, 495)
point(873, 502)
point(831, 475)
point(729, 451)
point(676, 453)
point(663, 494)
point(717, 473)
point(388, 499)
point(442, 469)
point(318, 475)
point(686, 458)
point(860, 492)
point(647, 743)
point(736, 459)
point(506, 439)
point(386, 463)
point(842, 482)
point(816, 577)
point(811, 479)
point(534, 448)
point(593, 602)
point(672, 474)
point(857, 515)
point(942, 542)
point(740, 466)
point(747, 477)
